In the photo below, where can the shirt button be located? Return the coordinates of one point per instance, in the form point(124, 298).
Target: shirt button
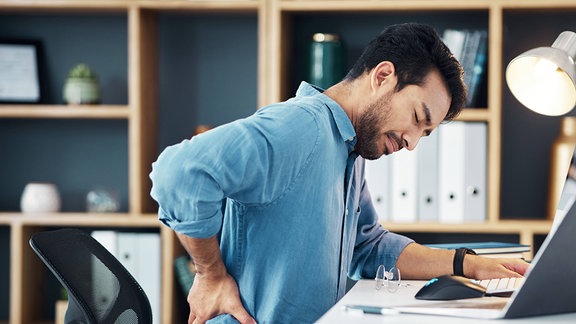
point(346, 212)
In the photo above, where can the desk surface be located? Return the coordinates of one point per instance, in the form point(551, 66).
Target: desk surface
point(363, 293)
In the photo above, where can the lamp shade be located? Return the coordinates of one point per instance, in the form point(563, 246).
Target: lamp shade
point(544, 79)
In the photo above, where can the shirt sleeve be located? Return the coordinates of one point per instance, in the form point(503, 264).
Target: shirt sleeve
point(374, 244)
point(239, 160)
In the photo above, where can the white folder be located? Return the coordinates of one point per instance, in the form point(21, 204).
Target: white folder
point(404, 179)
point(451, 171)
point(127, 250)
point(428, 178)
point(149, 269)
point(475, 172)
point(378, 181)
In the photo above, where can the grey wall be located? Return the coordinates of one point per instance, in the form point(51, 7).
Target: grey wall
point(208, 69)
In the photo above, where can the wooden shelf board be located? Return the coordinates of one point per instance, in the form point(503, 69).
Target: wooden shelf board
point(65, 111)
point(218, 6)
point(474, 114)
point(67, 5)
point(531, 4)
point(388, 5)
point(500, 227)
point(80, 219)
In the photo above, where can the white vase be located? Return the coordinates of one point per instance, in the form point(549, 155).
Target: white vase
point(40, 198)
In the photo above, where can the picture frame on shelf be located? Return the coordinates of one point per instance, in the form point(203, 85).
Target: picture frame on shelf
point(20, 71)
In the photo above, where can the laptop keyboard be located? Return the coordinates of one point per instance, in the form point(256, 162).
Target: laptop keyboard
point(501, 285)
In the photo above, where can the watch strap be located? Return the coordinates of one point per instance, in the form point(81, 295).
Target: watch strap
point(458, 263)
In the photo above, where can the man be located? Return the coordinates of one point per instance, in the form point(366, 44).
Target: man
point(299, 219)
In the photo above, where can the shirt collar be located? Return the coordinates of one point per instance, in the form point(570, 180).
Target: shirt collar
point(342, 120)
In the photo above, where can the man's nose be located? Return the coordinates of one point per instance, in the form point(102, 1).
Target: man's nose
point(411, 139)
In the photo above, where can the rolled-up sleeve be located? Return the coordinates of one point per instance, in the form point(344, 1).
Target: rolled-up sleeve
point(189, 197)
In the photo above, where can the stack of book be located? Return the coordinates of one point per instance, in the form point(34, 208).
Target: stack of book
point(469, 48)
point(488, 249)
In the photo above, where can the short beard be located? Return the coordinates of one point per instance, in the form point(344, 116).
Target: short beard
point(368, 128)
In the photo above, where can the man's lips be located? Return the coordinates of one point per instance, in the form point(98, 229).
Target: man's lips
point(392, 143)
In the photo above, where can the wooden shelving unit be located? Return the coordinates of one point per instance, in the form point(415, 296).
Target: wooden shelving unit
point(277, 26)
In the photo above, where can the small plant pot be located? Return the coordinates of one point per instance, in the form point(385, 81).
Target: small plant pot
point(81, 91)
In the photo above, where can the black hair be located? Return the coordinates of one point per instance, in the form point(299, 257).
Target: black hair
point(415, 50)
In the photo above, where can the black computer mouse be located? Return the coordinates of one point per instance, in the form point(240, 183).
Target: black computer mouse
point(450, 287)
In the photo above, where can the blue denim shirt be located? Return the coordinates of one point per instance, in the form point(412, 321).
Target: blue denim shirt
point(298, 217)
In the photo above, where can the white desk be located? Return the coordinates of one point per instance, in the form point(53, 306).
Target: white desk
point(363, 293)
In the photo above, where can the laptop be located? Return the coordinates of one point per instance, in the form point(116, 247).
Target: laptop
point(567, 199)
point(549, 286)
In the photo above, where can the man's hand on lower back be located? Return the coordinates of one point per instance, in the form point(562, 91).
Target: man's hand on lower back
point(211, 296)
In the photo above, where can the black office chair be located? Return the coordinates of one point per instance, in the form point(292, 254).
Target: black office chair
point(100, 289)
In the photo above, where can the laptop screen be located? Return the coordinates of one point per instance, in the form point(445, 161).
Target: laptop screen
point(550, 285)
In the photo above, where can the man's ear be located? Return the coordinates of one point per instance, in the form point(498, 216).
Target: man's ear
point(383, 74)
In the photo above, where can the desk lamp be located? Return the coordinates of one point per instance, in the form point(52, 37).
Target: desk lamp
point(544, 80)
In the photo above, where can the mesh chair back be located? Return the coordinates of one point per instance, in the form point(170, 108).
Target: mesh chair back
point(100, 289)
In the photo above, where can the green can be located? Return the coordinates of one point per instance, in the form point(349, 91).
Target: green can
point(326, 60)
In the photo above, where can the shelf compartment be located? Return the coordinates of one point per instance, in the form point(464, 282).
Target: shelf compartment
point(356, 29)
point(99, 39)
point(78, 155)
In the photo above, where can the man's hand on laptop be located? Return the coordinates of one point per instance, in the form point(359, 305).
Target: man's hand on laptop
point(478, 267)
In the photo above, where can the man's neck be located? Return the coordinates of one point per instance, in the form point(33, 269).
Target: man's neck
point(348, 94)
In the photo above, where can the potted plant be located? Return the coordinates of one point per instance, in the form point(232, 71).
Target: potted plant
point(81, 86)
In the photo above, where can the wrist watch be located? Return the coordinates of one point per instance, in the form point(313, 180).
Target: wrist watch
point(458, 263)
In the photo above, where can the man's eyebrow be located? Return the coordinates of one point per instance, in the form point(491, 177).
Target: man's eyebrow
point(427, 114)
